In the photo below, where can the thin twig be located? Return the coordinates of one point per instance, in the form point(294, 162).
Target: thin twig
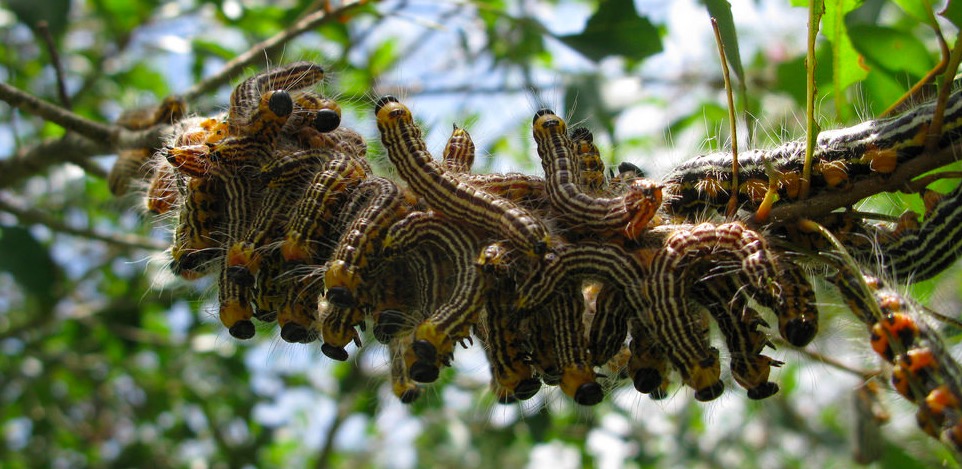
point(32, 216)
point(733, 202)
point(815, 11)
point(935, 127)
point(44, 30)
point(864, 374)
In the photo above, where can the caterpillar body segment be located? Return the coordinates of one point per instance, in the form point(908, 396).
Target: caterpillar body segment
point(236, 310)
point(678, 322)
point(196, 238)
point(444, 192)
point(312, 111)
point(270, 290)
point(162, 193)
point(453, 318)
point(681, 326)
point(512, 378)
point(608, 263)
point(920, 254)
point(134, 163)
point(794, 306)
point(578, 379)
point(522, 189)
point(337, 325)
point(310, 221)
point(923, 372)
point(406, 389)
point(739, 324)
point(385, 203)
point(190, 151)
point(340, 141)
point(590, 168)
point(397, 307)
point(458, 156)
point(609, 326)
point(245, 99)
point(648, 366)
point(284, 183)
point(378, 203)
point(627, 215)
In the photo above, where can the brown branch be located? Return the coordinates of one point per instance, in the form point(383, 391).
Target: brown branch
point(900, 179)
point(44, 30)
point(73, 148)
point(32, 216)
point(267, 47)
point(24, 101)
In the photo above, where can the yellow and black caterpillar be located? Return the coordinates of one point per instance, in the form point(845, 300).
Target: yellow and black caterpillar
point(558, 276)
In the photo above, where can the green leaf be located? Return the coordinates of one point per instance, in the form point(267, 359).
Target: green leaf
point(210, 48)
point(616, 29)
point(382, 58)
point(846, 61)
point(29, 263)
point(791, 75)
point(143, 76)
point(891, 50)
point(721, 10)
point(896, 457)
point(587, 107)
point(921, 10)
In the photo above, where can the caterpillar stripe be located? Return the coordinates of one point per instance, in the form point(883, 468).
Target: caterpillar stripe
point(451, 321)
point(407, 151)
point(458, 156)
point(511, 376)
point(590, 169)
point(628, 214)
point(739, 324)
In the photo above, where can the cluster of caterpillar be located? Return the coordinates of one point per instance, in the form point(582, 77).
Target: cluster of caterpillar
point(558, 276)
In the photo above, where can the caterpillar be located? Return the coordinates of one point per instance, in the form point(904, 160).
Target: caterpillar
point(132, 163)
point(923, 371)
point(407, 151)
point(841, 158)
point(278, 199)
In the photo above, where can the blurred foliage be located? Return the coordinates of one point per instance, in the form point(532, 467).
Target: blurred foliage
point(107, 362)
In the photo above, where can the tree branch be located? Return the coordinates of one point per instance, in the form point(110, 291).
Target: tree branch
point(73, 148)
point(899, 180)
point(31, 216)
point(58, 115)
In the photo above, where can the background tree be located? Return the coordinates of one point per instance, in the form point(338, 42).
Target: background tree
point(110, 362)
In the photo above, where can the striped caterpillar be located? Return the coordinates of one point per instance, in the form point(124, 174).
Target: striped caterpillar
point(278, 200)
point(841, 158)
